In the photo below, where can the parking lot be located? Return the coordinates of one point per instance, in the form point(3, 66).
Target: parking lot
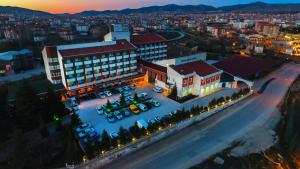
point(88, 113)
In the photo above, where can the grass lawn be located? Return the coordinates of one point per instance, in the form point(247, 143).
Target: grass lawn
point(39, 83)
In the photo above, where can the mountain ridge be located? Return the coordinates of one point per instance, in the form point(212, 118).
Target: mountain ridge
point(254, 7)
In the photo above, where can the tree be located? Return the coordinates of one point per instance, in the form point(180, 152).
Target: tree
point(54, 106)
point(27, 107)
point(122, 100)
point(75, 120)
point(43, 127)
point(173, 94)
point(20, 150)
point(108, 104)
point(135, 131)
point(136, 98)
point(124, 136)
point(105, 142)
point(72, 151)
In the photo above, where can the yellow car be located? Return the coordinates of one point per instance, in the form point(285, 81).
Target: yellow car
point(134, 109)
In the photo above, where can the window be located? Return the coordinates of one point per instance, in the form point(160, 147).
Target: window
point(52, 59)
point(55, 67)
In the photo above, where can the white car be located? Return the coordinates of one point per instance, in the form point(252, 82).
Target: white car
point(131, 98)
point(155, 103)
point(107, 93)
point(158, 89)
point(118, 115)
point(110, 118)
point(114, 135)
point(101, 95)
point(126, 88)
point(142, 107)
point(100, 110)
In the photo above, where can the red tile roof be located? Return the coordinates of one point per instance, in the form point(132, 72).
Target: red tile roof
point(153, 66)
point(121, 45)
point(200, 67)
point(244, 66)
point(147, 38)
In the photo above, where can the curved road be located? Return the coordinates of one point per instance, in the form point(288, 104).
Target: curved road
point(198, 142)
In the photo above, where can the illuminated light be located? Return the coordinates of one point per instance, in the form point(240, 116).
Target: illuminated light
point(133, 139)
point(56, 118)
point(84, 158)
point(119, 145)
point(159, 128)
point(191, 115)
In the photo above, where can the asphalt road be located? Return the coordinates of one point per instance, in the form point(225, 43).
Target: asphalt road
point(198, 142)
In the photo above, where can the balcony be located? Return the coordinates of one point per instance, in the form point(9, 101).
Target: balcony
point(126, 68)
point(79, 71)
point(133, 61)
point(89, 76)
point(112, 58)
point(97, 68)
point(80, 78)
point(88, 69)
point(104, 60)
point(120, 64)
point(133, 55)
point(69, 65)
point(87, 62)
point(112, 65)
point(119, 57)
point(105, 73)
point(126, 56)
point(104, 66)
point(70, 72)
point(133, 67)
point(96, 61)
point(78, 63)
point(126, 63)
point(70, 80)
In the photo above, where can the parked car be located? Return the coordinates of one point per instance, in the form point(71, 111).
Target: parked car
point(152, 121)
point(158, 89)
point(132, 86)
point(110, 118)
point(119, 89)
point(126, 94)
point(100, 110)
point(157, 118)
point(115, 105)
point(75, 107)
point(142, 107)
point(126, 113)
point(118, 115)
point(114, 135)
point(126, 88)
point(82, 127)
point(154, 103)
point(134, 109)
point(130, 98)
point(101, 95)
point(107, 93)
point(142, 123)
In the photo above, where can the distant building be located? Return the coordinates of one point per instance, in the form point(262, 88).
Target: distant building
point(16, 61)
point(266, 28)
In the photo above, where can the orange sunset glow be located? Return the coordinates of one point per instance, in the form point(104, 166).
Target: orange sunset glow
point(73, 6)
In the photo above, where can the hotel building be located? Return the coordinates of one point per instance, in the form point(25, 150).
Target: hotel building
point(80, 67)
point(151, 47)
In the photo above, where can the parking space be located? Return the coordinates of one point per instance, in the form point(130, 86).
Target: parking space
point(88, 113)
